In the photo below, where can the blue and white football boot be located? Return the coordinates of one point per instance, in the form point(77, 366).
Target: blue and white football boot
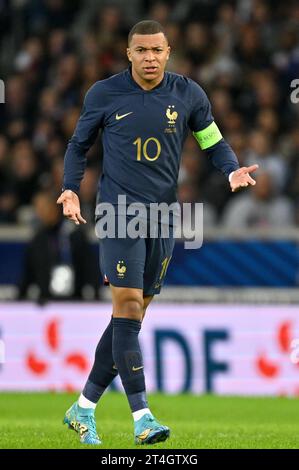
point(82, 421)
point(148, 431)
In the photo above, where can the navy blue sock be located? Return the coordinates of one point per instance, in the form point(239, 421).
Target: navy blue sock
point(103, 370)
point(128, 359)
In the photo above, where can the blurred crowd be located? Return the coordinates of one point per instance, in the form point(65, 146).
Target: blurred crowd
point(244, 53)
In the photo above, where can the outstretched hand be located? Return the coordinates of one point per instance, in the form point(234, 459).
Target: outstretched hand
point(71, 206)
point(241, 177)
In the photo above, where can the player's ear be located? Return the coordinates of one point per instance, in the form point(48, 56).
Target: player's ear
point(129, 54)
point(168, 50)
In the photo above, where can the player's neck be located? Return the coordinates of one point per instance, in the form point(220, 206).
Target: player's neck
point(146, 84)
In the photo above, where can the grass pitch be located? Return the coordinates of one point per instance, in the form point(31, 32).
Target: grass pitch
point(34, 420)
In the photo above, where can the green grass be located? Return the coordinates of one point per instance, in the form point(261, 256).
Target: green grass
point(197, 422)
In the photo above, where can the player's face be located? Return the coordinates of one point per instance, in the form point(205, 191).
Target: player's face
point(148, 54)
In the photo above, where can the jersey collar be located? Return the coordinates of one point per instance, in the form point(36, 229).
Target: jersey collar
point(128, 74)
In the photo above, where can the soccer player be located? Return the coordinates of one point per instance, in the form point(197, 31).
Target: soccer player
point(144, 113)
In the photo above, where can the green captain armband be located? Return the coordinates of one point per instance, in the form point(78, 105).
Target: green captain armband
point(208, 136)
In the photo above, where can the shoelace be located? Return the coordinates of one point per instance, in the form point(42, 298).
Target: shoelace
point(151, 419)
point(91, 426)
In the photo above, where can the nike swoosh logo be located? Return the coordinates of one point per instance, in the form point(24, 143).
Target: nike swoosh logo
point(136, 368)
point(117, 117)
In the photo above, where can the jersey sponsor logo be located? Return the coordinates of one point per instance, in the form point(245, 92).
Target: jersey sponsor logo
point(121, 116)
point(121, 269)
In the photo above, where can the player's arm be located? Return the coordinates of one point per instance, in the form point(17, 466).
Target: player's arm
point(84, 136)
point(223, 157)
point(211, 141)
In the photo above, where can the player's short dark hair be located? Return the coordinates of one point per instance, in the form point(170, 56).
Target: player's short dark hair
point(146, 27)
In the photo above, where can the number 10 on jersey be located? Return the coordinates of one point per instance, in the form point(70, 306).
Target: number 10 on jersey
point(142, 149)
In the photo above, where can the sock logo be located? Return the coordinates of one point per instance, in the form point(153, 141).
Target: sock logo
point(134, 369)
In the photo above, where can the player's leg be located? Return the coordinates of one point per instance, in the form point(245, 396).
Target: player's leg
point(128, 311)
point(148, 424)
point(102, 373)
point(80, 416)
point(159, 252)
point(146, 301)
point(103, 370)
point(127, 316)
point(122, 261)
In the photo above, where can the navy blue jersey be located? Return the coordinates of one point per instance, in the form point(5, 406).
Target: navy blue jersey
point(143, 136)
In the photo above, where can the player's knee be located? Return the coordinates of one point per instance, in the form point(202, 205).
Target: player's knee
point(131, 308)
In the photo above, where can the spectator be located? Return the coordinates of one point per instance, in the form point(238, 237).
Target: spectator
point(263, 207)
point(245, 53)
point(261, 151)
point(24, 172)
point(59, 260)
point(188, 193)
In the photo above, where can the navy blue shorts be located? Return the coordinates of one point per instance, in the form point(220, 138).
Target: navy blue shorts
point(137, 263)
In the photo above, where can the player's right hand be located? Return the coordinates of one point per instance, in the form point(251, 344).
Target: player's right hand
point(241, 177)
point(71, 206)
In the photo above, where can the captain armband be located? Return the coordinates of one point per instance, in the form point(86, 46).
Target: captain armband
point(208, 136)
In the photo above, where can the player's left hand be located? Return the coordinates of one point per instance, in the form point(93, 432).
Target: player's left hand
point(241, 177)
